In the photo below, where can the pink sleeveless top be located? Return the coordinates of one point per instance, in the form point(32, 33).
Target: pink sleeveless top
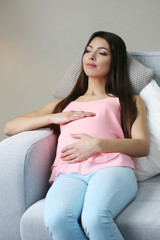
point(105, 124)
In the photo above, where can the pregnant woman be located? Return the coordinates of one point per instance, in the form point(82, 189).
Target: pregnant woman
point(100, 126)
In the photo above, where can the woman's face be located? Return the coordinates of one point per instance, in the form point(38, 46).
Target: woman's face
point(97, 59)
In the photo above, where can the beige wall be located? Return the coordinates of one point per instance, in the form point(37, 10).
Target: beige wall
point(39, 39)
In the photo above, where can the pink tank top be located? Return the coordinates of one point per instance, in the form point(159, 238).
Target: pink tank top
point(105, 124)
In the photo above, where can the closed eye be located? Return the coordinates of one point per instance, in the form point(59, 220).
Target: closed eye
point(102, 53)
point(87, 51)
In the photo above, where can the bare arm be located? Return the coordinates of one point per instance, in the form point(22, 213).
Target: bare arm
point(41, 118)
point(138, 145)
point(30, 121)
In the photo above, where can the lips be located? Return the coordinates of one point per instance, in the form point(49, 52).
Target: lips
point(91, 65)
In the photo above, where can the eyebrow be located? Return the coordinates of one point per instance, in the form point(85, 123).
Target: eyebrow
point(99, 47)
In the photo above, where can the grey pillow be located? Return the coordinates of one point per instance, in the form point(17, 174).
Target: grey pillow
point(139, 77)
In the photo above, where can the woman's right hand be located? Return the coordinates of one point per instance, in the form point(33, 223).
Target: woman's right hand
point(41, 118)
point(65, 117)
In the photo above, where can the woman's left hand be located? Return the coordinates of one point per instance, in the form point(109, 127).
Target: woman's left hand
point(80, 150)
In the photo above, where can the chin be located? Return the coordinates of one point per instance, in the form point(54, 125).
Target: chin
point(96, 76)
point(93, 74)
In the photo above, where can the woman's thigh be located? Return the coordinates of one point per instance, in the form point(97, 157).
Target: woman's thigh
point(110, 189)
point(65, 196)
point(63, 206)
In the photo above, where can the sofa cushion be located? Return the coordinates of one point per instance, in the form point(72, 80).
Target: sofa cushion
point(25, 161)
point(150, 60)
point(141, 218)
point(138, 221)
point(149, 166)
point(32, 224)
point(139, 77)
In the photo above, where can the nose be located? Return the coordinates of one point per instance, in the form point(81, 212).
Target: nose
point(92, 56)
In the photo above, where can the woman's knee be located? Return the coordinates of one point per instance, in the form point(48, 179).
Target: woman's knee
point(100, 225)
point(96, 220)
point(56, 221)
point(53, 221)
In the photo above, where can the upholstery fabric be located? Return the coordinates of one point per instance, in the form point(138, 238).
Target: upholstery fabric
point(25, 161)
point(141, 219)
point(151, 60)
point(149, 166)
point(138, 221)
point(139, 77)
point(32, 224)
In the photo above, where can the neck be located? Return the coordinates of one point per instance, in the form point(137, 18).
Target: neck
point(96, 86)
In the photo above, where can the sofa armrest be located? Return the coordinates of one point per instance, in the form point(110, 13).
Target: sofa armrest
point(25, 161)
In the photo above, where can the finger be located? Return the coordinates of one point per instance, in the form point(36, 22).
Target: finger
point(89, 113)
point(76, 135)
point(67, 153)
point(69, 158)
point(75, 160)
point(82, 114)
point(69, 147)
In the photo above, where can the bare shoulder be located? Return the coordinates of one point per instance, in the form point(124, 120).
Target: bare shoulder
point(54, 103)
point(47, 109)
point(138, 98)
point(139, 127)
point(141, 108)
point(139, 102)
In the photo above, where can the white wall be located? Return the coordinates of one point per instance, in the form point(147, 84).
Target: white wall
point(39, 39)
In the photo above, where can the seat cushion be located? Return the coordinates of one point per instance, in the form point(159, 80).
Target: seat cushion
point(141, 218)
point(32, 225)
point(138, 221)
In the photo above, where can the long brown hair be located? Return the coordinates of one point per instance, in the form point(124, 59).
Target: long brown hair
point(117, 83)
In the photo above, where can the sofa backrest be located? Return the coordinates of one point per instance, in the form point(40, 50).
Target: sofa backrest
point(151, 60)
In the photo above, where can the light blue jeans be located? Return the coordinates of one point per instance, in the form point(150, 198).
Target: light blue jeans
point(81, 207)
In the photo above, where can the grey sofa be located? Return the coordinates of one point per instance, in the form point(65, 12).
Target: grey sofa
point(25, 161)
